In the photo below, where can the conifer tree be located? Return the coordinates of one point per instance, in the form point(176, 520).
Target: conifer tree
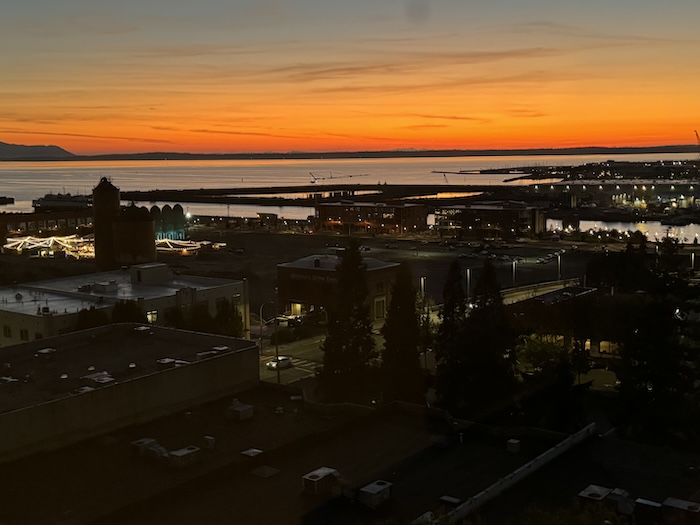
point(349, 344)
point(488, 344)
point(228, 320)
point(401, 371)
point(475, 357)
point(128, 312)
point(448, 349)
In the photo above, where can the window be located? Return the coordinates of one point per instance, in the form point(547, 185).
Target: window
point(38, 335)
point(379, 308)
point(6, 331)
point(24, 335)
point(152, 316)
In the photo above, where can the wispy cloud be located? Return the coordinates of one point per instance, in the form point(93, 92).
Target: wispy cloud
point(425, 126)
point(246, 133)
point(526, 113)
point(403, 63)
point(527, 77)
point(447, 117)
point(81, 135)
point(600, 38)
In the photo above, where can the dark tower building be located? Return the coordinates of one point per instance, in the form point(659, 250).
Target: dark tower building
point(134, 236)
point(105, 209)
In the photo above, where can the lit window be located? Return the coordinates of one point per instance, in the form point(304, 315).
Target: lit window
point(152, 316)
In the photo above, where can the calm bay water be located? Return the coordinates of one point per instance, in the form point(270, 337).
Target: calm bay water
point(29, 180)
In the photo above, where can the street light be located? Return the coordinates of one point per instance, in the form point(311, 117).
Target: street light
point(425, 321)
point(559, 267)
point(277, 337)
point(469, 283)
point(261, 326)
point(514, 265)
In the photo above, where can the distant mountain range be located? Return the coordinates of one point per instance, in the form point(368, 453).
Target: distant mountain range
point(19, 152)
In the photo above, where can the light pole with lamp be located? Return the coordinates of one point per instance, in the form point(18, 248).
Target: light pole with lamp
point(425, 320)
point(262, 322)
point(277, 338)
point(469, 283)
point(558, 267)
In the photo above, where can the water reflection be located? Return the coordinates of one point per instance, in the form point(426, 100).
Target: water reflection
point(652, 229)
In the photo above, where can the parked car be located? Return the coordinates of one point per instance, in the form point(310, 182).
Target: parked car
point(278, 363)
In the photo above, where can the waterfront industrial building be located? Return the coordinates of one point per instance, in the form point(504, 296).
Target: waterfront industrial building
point(367, 217)
point(499, 219)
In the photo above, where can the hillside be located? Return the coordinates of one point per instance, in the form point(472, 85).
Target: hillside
point(17, 151)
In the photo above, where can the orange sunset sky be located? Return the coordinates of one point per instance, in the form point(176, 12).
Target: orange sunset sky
point(312, 75)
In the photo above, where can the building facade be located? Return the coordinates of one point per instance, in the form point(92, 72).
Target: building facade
point(72, 387)
point(500, 219)
point(371, 217)
point(310, 284)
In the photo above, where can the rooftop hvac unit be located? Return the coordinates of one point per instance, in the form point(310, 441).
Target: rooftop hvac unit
point(165, 363)
point(320, 481)
point(184, 456)
point(239, 411)
point(46, 353)
point(513, 446)
point(138, 447)
point(376, 493)
point(594, 493)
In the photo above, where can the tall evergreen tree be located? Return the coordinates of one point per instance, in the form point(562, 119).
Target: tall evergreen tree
point(476, 363)
point(349, 344)
point(448, 352)
point(489, 344)
point(657, 373)
point(401, 371)
point(128, 312)
point(228, 320)
point(91, 318)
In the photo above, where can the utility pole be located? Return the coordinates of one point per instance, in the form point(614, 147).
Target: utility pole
point(277, 339)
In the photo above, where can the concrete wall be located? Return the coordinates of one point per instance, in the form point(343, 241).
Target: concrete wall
point(476, 501)
point(37, 326)
point(57, 423)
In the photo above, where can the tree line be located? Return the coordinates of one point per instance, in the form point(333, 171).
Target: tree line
point(523, 364)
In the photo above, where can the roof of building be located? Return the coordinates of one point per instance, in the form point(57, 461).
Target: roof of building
point(565, 294)
point(65, 365)
point(491, 206)
point(329, 263)
point(360, 204)
point(71, 294)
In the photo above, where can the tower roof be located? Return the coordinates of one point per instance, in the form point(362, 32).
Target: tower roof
point(105, 185)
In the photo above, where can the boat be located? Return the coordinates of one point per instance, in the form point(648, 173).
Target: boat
point(62, 201)
point(6, 200)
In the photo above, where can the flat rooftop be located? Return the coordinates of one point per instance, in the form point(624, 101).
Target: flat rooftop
point(101, 290)
point(26, 299)
point(329, 263)
point(61, 366)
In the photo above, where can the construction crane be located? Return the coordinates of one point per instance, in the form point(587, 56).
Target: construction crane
point(697, 137)
point(315, 178)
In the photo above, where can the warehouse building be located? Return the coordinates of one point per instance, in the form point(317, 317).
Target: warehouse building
point(43, 309)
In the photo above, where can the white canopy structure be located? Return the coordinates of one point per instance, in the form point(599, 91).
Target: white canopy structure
point(72, 245)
